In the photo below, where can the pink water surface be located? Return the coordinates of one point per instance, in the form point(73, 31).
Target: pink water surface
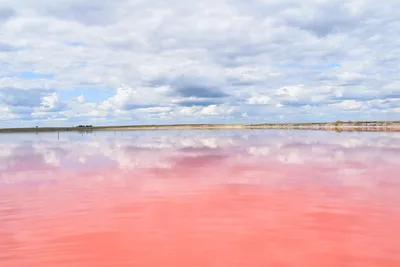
point(194, 198)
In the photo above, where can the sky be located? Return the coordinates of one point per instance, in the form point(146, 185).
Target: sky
point(107, 62)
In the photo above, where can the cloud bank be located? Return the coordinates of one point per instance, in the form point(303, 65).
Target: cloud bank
point(132, 61)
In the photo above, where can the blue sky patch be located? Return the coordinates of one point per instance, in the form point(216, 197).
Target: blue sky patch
point(28, 75)
point(75, 44)
point(308, 67)
point(90, 94)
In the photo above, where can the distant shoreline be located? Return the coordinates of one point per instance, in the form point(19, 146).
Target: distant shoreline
point(388, 126)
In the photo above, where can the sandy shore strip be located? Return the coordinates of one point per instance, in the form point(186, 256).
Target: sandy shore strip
point(329, 126)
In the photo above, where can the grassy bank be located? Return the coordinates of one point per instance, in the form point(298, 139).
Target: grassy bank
point(334, 126)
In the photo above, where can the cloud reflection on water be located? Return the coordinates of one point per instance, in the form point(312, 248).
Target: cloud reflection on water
point(133, 149)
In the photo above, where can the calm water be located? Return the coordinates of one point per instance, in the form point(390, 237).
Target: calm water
point(200, 198)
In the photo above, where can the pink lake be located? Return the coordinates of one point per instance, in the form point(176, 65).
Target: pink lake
point(200, 198)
